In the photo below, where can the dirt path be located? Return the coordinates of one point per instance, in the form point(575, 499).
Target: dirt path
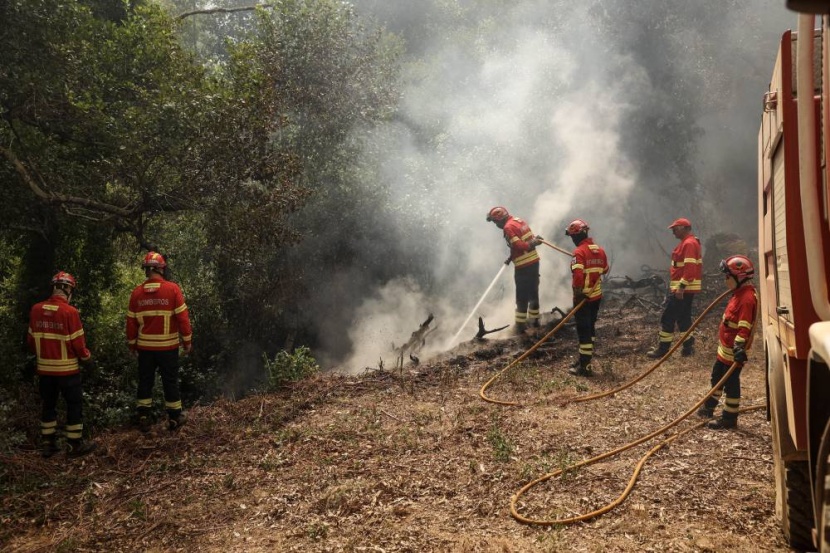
point(418, 462)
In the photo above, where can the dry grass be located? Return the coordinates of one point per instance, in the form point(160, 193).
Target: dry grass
point(383, 462)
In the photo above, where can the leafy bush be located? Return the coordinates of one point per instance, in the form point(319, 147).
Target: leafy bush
point(290, 367)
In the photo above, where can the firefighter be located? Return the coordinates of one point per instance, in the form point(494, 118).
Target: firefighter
point(588, 264)
point(157, 324)
point(56, 337)
point(734, 338)
point(522, 244)
point(685, 281)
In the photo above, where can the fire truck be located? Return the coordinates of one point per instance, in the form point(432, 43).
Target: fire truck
point(793, 269)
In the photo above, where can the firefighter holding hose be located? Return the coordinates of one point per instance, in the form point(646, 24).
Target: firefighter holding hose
point(588, 264)
point(734, 338)
point(522, 243)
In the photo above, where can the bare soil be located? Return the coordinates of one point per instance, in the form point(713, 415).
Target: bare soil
point(414, 460)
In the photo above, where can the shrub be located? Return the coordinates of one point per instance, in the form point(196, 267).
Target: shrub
point(290, 367)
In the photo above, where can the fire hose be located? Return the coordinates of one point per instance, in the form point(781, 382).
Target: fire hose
point(514, 510)
point(638, 468)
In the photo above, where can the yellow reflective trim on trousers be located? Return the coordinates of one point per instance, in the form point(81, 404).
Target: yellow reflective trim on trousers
point(666, 336)
point(173, 404)
point(521, 317)
point(586, 349)
point(144, 402)
point(731, 405)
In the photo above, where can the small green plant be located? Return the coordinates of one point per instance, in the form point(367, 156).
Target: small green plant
point(138, 509)
point(290, 367)
point(317, 531)
point(501, 446)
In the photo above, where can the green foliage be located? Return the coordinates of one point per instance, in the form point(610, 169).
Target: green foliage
point(289, 367)
point(502, 448)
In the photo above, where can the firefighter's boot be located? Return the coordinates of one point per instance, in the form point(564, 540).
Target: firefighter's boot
point(177, 422)
point(661, 349)
point(584, 367)
point(519, 329)
point(705, 413)
point(723, 423)
point(49, 446)
point(79, 448)
point(144, 419)
point(688, 348)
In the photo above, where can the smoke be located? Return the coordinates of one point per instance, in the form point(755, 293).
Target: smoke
point(627, 115)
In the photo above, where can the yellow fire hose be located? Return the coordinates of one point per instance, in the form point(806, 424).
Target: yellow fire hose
point(514, 511)
point(524, 356)
point(657, 363)
point(638, 468)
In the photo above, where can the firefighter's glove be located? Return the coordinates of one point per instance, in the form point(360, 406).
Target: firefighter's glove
point(739, 354)
point(579, 295)
point(507, 261)
point(535, 241)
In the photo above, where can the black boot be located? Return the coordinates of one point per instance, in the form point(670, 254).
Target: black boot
point(583, 369)
point(661, 349)
point(79, 448)
point(705, 412)
point(723, 423)
point(49, 446)
point(177, 422)
point(688, 348)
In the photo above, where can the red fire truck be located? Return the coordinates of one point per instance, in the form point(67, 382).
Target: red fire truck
point(794, 264)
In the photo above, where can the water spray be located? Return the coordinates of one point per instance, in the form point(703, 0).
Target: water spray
point(484, 295)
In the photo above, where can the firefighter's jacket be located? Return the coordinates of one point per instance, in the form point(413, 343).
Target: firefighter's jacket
point(588, 264)
point(517, 233)
point(157, 317)
point(56, 336)
point(686, 265)
point(736, 326)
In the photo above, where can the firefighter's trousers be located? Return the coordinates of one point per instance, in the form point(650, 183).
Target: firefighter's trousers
point(51, 387)
point(167, 363)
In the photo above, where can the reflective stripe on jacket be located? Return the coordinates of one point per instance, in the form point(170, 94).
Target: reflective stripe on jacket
point(56, 337)
point(686, 265)
point(736, 325)
point(517, 233)
point(157, 317)
point(588, 264)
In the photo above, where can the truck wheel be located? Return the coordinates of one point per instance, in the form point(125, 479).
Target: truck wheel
point(798, 526)
point(793, 495)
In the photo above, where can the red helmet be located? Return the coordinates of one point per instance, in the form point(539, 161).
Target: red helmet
point(498, 214)
point(62, 277)
point(154, 260)
point(682, 222)
point(577, 226)
point(738, 266)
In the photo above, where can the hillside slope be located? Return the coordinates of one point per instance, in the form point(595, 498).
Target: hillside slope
point(416, 461)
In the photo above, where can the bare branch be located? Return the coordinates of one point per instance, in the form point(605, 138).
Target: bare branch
point(222, 10)
point(62, 199)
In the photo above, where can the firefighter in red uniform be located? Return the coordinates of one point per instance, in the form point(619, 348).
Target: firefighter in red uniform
point(522, 244)
point(588, 264)
point(157, 323)
point(734, 338)
point(685, 282)
point(56, 337)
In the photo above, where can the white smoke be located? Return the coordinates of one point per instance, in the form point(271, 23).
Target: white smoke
point(531, 117)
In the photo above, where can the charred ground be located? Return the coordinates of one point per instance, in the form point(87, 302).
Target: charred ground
point(414, 460)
